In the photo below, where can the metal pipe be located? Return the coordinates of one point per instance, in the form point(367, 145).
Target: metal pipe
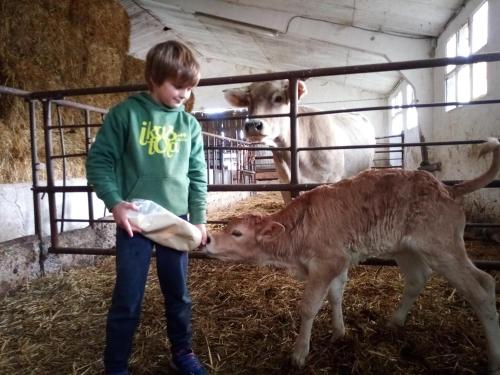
point(294, 157)
point(63, 151)
point(403, 149)
point(387, 152)
point(242, 187)
point(47, 122)
point(389, 136)
point(35, 165)
point(482, 264)
point(363, 109)
point(88, 141)
point(345, 147)
point(76, 126)
point(381, 145)
point(86, 220)
point(299, 74)
point(403, 106)
point(65, 103)
point(79, 155)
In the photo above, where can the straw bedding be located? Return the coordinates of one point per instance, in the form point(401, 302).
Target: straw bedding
point(245, 322)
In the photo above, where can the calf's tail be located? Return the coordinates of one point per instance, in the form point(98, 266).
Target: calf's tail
point(491, 145)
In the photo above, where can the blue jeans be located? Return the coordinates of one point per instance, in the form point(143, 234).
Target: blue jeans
point(133, 256)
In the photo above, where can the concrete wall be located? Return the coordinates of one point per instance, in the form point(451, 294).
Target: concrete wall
point(462, 123)
point(25, 258)
point(17, 218)
point(468, 122)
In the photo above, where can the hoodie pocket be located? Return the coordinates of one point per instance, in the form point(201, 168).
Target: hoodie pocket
point(166, 191)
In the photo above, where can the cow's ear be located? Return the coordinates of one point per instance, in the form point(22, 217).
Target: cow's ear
point(271, 230)
point(302, 89)
point(237, 97)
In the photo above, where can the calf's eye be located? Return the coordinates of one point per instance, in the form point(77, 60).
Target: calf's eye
point(236, 233)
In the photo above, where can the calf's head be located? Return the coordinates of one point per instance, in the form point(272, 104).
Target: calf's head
point(262, 98)
point(245, 239)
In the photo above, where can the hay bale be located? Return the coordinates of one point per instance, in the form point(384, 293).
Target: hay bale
point(101, 22)
point(56, 44)
point(133, 70)
point(103, 65)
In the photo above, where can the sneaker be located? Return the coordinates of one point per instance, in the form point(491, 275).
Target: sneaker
point(186, 363)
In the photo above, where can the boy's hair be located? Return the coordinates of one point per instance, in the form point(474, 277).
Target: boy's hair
point(173, 61)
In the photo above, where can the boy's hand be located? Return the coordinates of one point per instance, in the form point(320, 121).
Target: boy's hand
point(120, 215)
point(203, 231)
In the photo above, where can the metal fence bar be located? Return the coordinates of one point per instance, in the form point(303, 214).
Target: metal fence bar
point(47, 122)
point(35, 165)
point(305, 73)
point(294, 159)
point(63, 151)
point(482, 264)
point(346, 147)
point(88, 142)
point(218, 149)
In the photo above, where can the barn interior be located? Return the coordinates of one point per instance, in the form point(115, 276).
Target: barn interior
point(245, 317)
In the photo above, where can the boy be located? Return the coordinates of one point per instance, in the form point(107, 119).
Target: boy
point(149, 148)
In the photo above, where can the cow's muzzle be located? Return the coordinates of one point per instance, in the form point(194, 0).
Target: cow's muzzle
point(253, 126)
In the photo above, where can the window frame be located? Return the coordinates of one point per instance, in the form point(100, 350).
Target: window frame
point(452, 72)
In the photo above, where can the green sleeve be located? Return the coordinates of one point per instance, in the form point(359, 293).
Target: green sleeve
point(197, 177)
point(103, 158)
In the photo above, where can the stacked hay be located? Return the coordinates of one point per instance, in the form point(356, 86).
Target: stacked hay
point(58, 44)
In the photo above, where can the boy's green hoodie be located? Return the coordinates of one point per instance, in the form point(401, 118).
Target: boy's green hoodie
point(149, 151)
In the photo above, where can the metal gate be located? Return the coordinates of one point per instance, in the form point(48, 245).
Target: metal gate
point(52, 100)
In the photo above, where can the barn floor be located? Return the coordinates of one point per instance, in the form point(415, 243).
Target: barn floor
point(245, 322)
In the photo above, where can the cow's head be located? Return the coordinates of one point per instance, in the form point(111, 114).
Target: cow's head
point(245, 239)
point(262, 98)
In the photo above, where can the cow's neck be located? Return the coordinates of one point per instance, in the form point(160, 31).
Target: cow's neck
point(283, 139)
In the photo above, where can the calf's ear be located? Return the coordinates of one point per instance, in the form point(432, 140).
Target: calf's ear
point(237, 97)
point(271, 230)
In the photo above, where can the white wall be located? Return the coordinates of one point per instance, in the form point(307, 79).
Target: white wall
point(468, 122)
point(17, 217)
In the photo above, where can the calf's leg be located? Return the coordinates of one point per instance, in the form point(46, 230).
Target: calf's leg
point(415, 273)
point(314, 294)
point(321, 273)
point(335, 293)
point(477, 287)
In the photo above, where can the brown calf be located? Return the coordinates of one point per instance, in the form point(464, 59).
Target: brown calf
point(408, 216)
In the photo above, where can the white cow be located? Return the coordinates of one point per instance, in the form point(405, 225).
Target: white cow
point(408, 216)
point(342, 129)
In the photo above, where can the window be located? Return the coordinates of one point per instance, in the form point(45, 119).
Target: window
point(403, 119)
point(397, 114)
point(411, 113)
point(466, 82)
point(480, 28)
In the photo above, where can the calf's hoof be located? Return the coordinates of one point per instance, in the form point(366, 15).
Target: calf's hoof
point(298, 360)
point(396, 322)
point(299, 355)
point(338, 334)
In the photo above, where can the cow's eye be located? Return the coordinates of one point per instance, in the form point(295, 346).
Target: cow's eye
point(236, 233)
point(278, 99)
